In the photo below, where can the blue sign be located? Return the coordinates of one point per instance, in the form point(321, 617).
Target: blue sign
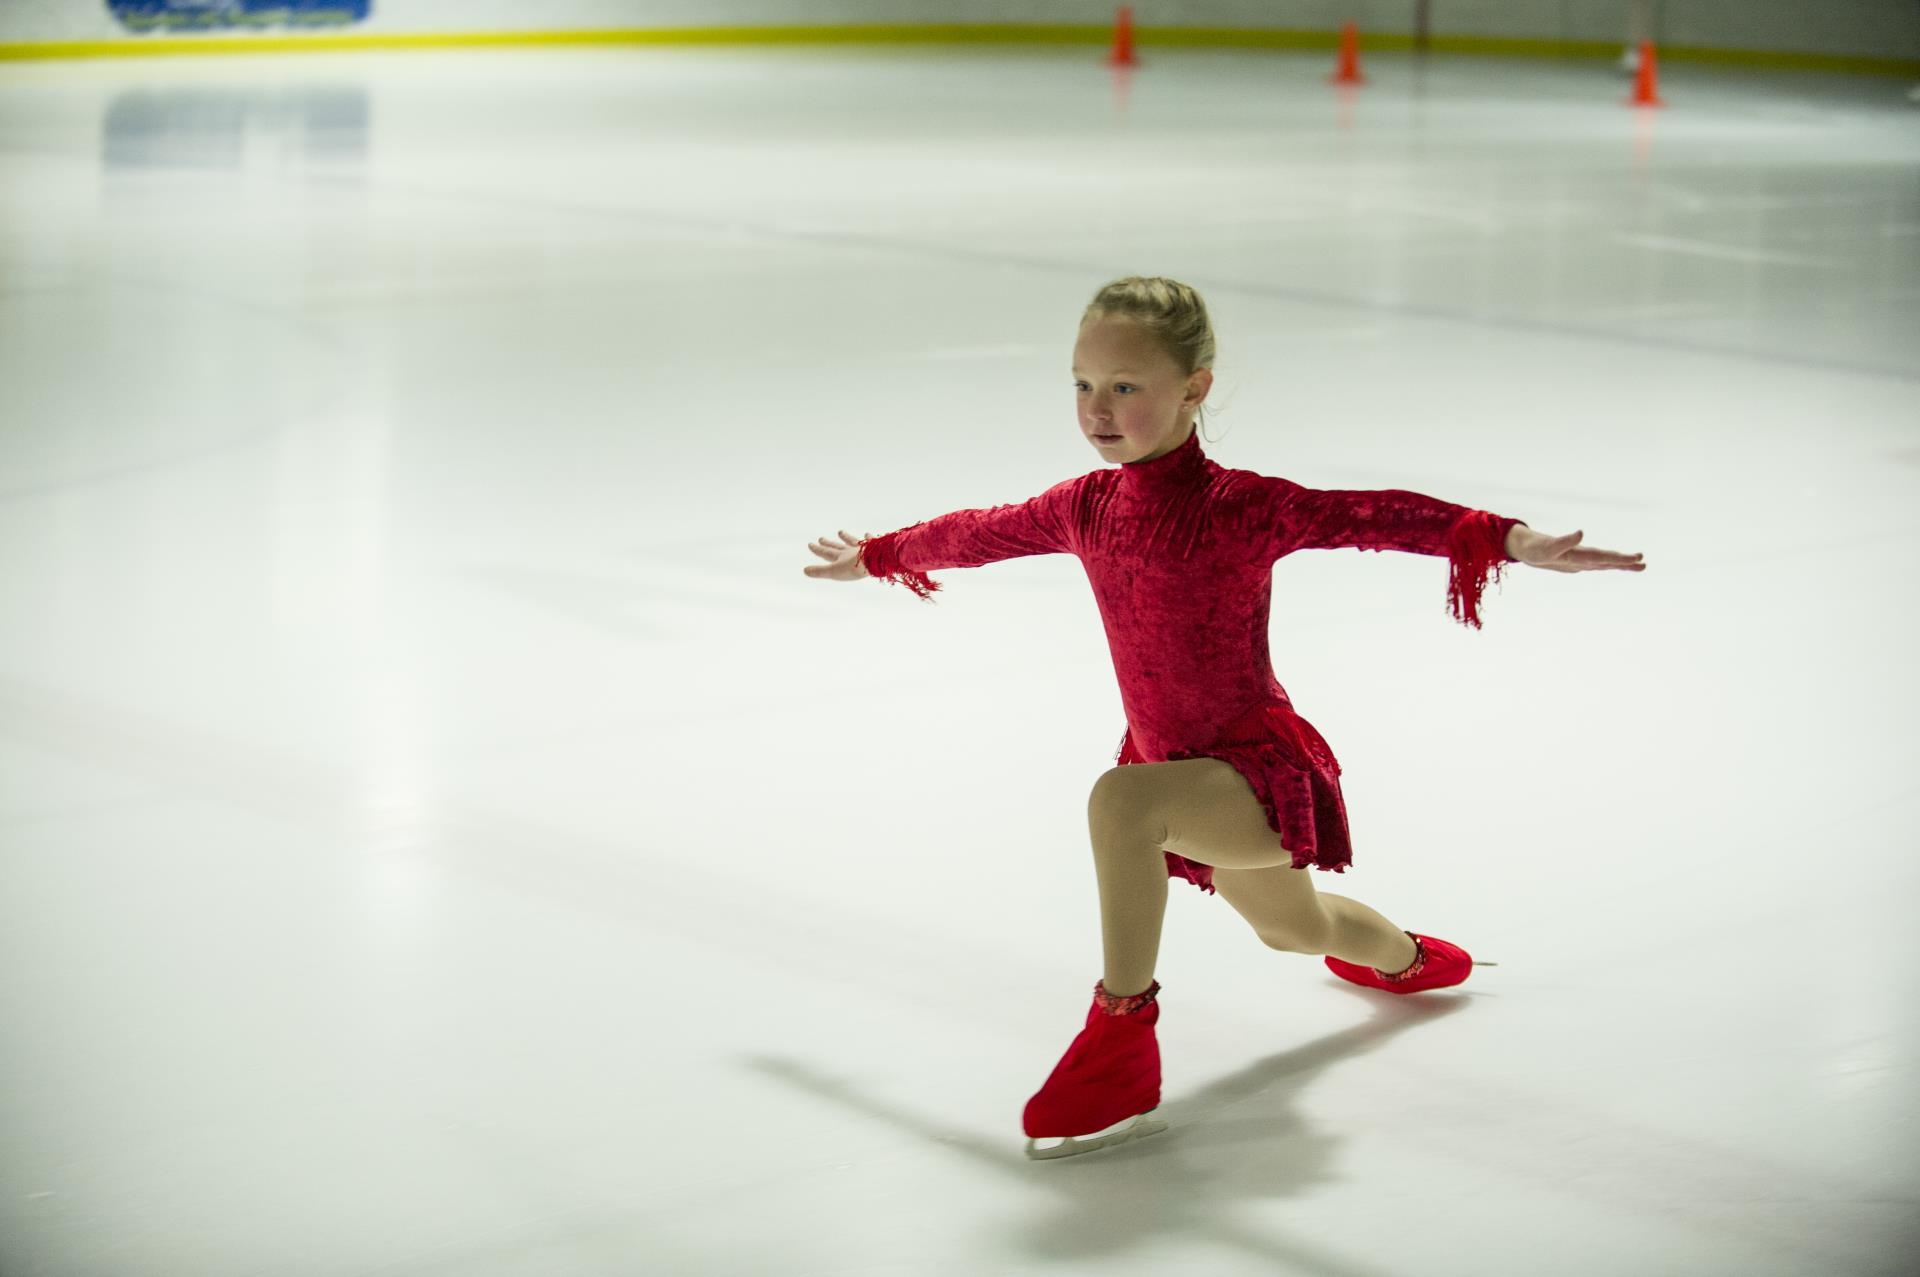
point(179, 16)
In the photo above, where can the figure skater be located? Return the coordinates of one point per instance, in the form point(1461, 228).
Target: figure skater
point(1218, 781)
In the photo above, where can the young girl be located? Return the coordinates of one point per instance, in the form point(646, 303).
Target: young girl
point(1219, 782)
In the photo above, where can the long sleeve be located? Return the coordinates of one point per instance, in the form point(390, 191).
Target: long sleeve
point(970, 538)
point(1473, 541)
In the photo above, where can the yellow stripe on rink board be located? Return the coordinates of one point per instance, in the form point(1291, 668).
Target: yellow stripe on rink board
point(953, 33)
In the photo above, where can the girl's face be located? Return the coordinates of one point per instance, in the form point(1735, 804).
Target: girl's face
point(1130, 388)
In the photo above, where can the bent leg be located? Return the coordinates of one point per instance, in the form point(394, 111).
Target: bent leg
point(1204, 809)
point(1195, 807)
point(1285, 911)
point(1209, 813)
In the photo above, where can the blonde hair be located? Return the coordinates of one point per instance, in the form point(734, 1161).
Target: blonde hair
point(1171, 311)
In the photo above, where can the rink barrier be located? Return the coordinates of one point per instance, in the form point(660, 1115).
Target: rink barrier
point(941, 33)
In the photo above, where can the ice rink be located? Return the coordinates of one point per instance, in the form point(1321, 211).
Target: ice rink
point(444, 832)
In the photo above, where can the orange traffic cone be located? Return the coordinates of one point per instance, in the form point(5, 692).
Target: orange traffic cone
point(1349, 69)
point(1646, 90)
point(1122, 55)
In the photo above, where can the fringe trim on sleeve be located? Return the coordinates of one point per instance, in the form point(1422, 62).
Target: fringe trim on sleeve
point(878, 558)
point(1476, 551)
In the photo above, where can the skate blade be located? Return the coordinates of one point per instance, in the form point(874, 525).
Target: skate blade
point(1073, 1145)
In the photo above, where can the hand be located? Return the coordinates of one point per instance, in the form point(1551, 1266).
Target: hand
point(845, 556)
point(1565, 554)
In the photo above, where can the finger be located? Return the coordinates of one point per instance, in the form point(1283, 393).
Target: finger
point(1560, 545)
point(1600, 558)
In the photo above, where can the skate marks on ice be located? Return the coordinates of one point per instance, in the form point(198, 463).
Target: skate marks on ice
point(537, 855)
point(1223, 1155)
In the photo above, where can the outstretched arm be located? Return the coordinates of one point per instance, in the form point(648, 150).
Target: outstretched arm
point(1478, 544)
point(1474, 541)
point(968, 538)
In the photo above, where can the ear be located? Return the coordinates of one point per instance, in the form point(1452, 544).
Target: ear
point(1198, 385)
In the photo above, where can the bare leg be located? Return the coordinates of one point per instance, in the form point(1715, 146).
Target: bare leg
point(1361, 935)
point(1287, 913)
point(1133, 888)
point(1203, 809)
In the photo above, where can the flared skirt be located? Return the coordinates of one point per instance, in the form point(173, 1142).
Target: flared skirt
point(1291, 770)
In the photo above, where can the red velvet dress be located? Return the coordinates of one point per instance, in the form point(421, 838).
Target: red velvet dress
point(1180, 552)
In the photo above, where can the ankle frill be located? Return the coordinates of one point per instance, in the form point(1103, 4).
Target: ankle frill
point(1123, 1006)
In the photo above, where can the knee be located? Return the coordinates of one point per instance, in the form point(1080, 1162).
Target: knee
point(1122, 795)
point(1114, 791)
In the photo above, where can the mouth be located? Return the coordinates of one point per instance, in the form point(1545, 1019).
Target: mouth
point(1106, 438)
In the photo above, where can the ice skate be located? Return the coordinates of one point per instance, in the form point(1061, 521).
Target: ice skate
point(1436, 965)
point(1105, 1086)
